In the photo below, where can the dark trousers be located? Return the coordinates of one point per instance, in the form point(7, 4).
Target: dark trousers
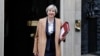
point(49, 54)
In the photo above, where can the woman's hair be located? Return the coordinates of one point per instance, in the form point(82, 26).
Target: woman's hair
point(52, 6)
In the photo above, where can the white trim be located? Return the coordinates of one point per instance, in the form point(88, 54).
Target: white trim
point(1, 27)
point(62, 18)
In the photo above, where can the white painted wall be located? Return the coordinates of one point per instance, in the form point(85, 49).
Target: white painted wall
point(77, 40)
point(70, 11)
point(1, 27)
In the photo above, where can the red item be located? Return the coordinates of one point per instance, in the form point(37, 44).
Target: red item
point(64, 29)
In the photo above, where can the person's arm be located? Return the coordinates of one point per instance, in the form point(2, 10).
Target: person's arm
point(63, 38)
point(35, 49)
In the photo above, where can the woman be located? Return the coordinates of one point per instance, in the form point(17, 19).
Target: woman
point(47, 42)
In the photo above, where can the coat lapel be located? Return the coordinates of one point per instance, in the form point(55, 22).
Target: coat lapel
point(57, 28)
point(57, 34)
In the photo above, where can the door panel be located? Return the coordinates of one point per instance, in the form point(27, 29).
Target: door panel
point(90, 26)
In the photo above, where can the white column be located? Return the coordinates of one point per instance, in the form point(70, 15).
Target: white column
point(70, 11)
point(1, 27)
point(69, 15)
point(62, 18)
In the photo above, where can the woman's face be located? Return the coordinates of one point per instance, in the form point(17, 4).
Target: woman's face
point(51, 13)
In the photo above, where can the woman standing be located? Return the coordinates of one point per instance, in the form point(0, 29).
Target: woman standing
point(47, 42)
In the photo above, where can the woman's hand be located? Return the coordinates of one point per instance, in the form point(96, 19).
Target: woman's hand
point(36, 54)
point(62, 38)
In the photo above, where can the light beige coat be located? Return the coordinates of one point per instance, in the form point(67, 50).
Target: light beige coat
point(40, 37)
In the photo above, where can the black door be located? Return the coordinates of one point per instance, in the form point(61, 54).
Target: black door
point(17, 39)
point(90, 26)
